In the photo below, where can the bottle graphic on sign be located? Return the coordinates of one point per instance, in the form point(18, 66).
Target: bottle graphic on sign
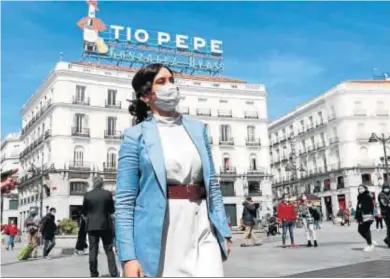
point(91, 27)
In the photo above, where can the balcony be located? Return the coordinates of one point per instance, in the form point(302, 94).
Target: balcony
point(252, 141)
point(36, 116)
point(80, 132)
point(79, 166)
point(359, 112)
point(319, 123)
point(251, 115)
point(184, 110)
point(78, 188)
point(382, 112)
point(83, 102)
point(340, 185)
point(115, 135)
point(226, 141)
point(284, 158)
point(115, 105)
point(109, 167)
point(225, 113)
point(333, 140)
point(228, 171)
point(310, 126)
point(331, 117)
point(320, 145)
point(35, 143)
point(302, 151)
point(362, 137)
point(255, 171)
point(310, 148)
point(203, 112)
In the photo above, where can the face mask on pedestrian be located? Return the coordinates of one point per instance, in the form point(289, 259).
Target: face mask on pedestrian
point(386, 190)
point(167, 97)
point(361, 190)
point(304, 198)
point(53, 213)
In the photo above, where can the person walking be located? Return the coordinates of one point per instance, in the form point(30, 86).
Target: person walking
point(365, 216)
point(170, 218)
point(287, 216)
point(384, 204)
point(32, 226)
point(11, 230)
point(48, 230)
point(81, 243)
point(346, 216)
point(308, 215)
point(378, 217)
point(98, 206)
point(248, 217)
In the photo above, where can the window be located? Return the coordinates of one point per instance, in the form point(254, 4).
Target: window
point(302, 124)
point(319, 115)
point(80, 93)
point(111, 125)
point(111, 159)
point(202, 100)
point(225, 132)
point(312, 141)
point(13, 204)
point(223, 101)
point(311, 120)
point(251, 133)
point(78, 122)
point(253, 162)
point(227, 163)
point(227, 188)
point(78, 156)
point(249, 102)
point(322, 135)
point(111, 97)
point(78, 188)
point(254, 188)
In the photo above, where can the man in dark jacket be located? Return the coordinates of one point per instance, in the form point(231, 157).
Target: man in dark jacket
point(248, 219)
point(98, 206)
point(48, 230)
point(384, 204)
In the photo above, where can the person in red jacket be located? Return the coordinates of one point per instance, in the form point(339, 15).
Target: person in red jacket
point(12, 230)
point(287, 216)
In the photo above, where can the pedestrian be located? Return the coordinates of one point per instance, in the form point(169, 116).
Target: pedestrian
point(384, 204)
point(346, 216)
point(308, 215)
point(98, 206)
point(48, 230)
point(12, 230)
point(81, 243)
point(365, 216)
point(32, 226)
point(170, 217)
point(248, 217)
point(378, 217)
point(287, 216)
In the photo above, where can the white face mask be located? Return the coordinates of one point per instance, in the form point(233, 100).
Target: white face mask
point(361, 190)
point(168, 97)
point(386, 190)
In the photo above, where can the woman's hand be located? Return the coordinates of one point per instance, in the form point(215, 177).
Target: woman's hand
point(133, 269)
point(228, 244)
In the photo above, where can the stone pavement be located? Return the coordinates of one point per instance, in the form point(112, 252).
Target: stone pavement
point(340, 255)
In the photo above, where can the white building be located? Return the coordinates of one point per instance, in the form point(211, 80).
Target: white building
point(328, 136)
point(11, 147)
point(72, 127)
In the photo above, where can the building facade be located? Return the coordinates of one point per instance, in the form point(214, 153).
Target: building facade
point(322, 147)
point(72, 129)
point(11, 147)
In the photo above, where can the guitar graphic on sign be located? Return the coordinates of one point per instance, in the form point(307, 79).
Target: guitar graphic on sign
point(91, 27)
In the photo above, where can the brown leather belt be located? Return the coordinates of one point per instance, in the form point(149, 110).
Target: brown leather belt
point(186, 192)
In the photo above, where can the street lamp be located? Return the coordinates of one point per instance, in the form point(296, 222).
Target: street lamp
point(383, 140)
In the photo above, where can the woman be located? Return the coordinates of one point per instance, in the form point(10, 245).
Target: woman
point(170, 217)
point(365, 216)
point(81, 243)
point(308, 215)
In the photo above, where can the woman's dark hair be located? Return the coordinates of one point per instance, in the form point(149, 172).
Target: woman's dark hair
point(142, 84)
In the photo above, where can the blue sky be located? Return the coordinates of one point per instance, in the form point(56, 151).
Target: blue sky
point(297, 49)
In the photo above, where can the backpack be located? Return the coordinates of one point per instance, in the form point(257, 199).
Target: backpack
point(314, 213)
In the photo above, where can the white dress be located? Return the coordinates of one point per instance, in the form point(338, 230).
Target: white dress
point(189, 245)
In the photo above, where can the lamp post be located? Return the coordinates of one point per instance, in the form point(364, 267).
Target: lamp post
point(383, 140)
point(295, 169)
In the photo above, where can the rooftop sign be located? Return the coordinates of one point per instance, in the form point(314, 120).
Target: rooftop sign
point(137, 47)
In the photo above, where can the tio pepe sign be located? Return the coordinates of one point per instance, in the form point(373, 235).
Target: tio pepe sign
point(183, 42)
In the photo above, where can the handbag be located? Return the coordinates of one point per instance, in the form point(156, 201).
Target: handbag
point(368, 217)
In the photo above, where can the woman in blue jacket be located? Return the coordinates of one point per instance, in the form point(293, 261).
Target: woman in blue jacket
point(170, 217)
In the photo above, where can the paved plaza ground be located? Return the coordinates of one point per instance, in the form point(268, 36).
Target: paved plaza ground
point(340, 254)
